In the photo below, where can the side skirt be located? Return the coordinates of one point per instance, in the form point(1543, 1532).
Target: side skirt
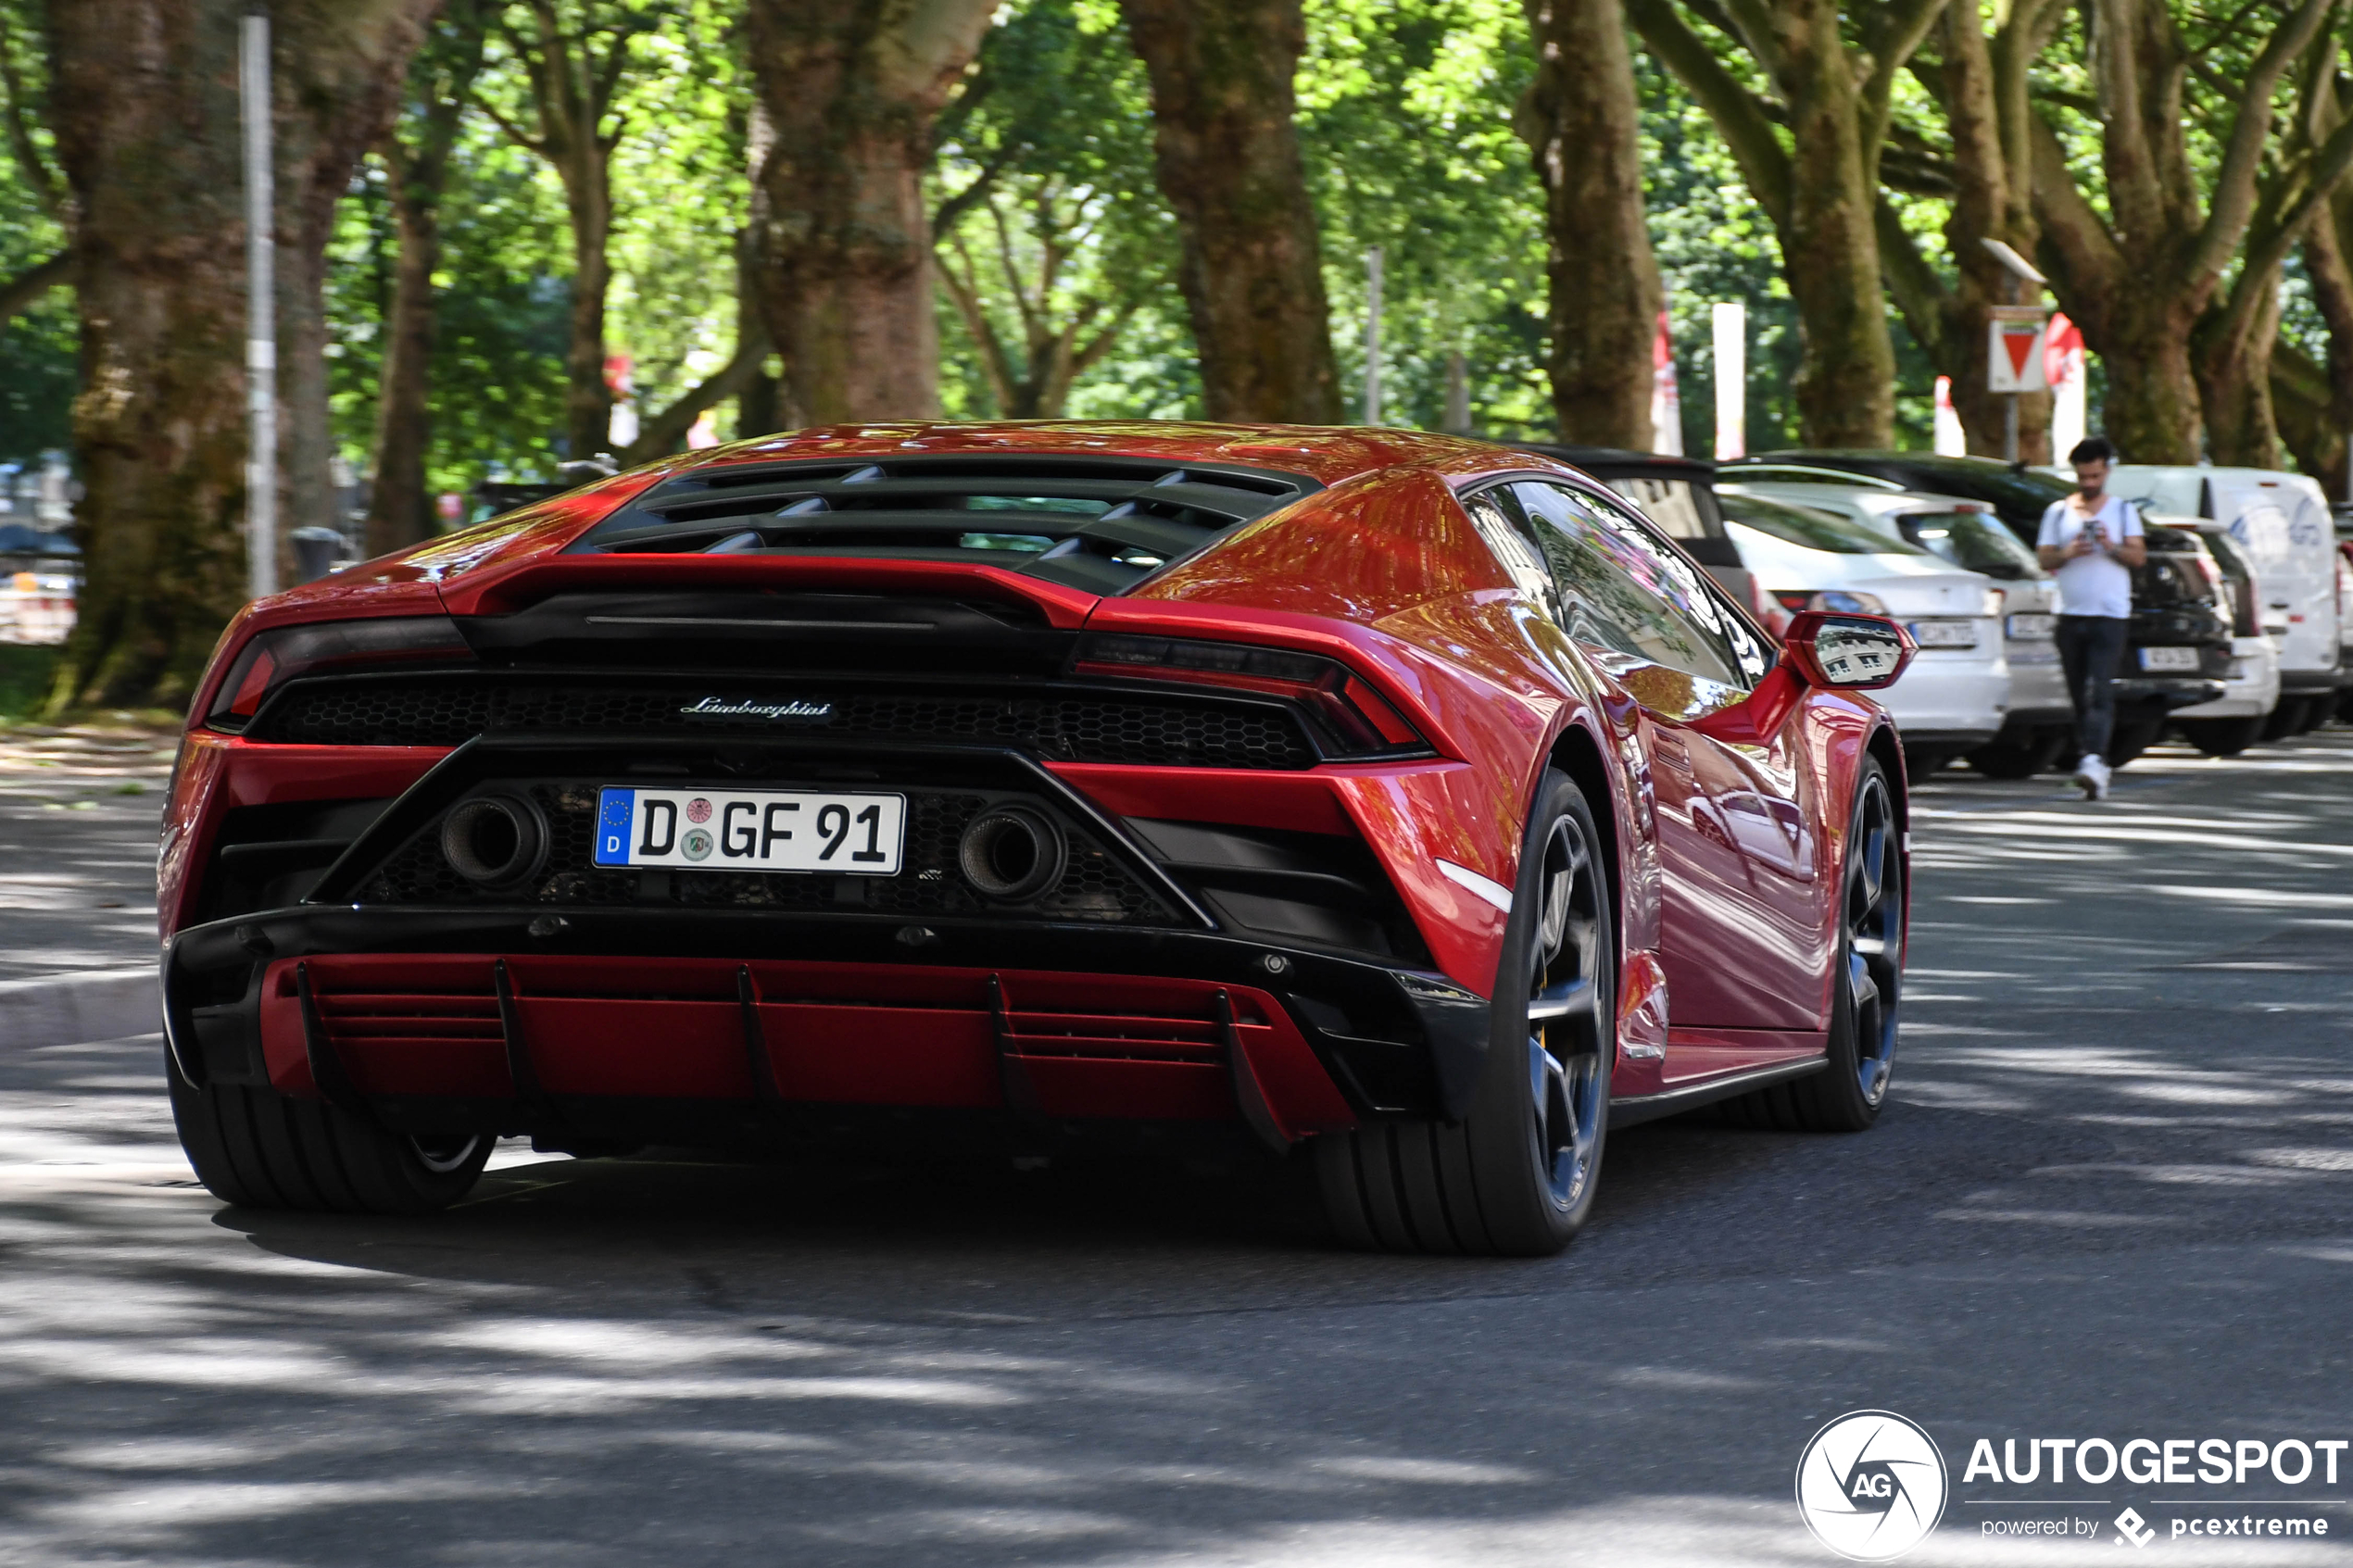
point(1637, 1108)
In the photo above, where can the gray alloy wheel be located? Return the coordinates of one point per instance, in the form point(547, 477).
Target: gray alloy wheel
point(1567, 1076)
point(1518, 1173)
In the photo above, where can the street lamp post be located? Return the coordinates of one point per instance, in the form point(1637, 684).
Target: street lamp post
point(261, 312)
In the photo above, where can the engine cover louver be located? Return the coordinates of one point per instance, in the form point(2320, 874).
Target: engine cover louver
point(1101, 525)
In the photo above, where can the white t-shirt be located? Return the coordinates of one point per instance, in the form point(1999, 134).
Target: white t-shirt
point(2097, 584)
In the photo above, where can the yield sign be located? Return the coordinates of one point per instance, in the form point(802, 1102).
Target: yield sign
point(2014, 350)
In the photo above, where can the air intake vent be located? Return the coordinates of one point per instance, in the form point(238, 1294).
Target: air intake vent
point(1098, 523)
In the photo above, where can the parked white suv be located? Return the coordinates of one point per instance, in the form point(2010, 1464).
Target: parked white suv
point(1957, 692)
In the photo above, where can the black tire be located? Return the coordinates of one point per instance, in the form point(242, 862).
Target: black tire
point(1926, 762)
point(261, 1149)
point(2285, 719)
point(2317, 712)
point(1517, 1173)
point(2017, 760)
point(2221, 737)
point(1845, 1095)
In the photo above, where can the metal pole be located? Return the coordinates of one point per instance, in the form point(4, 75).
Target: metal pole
point(1372, 336)
point(261, 314)
point(2009, 411)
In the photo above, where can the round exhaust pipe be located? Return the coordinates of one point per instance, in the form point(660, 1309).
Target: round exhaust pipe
point(1011, 852)
point(495, 840)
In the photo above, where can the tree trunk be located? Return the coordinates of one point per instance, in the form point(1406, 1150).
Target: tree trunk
point(851, 88)
point(2313, 403)
point(1229, 159)
point(588, 396)
point(2140, 278)
point(2234, 369)
point(1846, 389)
point(2153, 412)
point(400, 510)
point(1821, 190)
point(339, 67)
point(1583, 126)
point(1982, 88)
point(143, 105)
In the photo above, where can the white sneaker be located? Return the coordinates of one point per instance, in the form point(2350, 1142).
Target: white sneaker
point(2092, 776)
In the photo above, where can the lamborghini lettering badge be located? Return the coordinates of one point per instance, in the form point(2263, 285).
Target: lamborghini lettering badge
point(744, 707)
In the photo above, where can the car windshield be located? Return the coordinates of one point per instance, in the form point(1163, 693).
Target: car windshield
point(1973, 541)
point(1809, 527)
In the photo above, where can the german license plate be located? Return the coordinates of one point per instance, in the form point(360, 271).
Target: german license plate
point(2170, 659)
point(1944, 633)
point(745, 830)
point(2026, 627)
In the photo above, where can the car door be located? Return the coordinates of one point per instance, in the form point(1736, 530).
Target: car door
point(1742, 935)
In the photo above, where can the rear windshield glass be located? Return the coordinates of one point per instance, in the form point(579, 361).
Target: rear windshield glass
point(1810, 529)
point(1672, 504)
point(1973, 541)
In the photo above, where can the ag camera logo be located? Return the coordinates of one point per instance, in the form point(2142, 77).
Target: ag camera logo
point(1871, 1486)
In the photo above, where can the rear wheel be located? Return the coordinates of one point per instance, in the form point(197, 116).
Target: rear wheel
point(2131, 737)
point(2017, 760)
point(2221, 737)
point(2317, 712)
point(1845, 1095)
point(1920, 762)
point(263, 1149)
point(2285, 719)
point(1518, 1173)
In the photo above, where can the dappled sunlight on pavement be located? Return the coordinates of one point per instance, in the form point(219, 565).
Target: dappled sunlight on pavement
point(2110, 1194)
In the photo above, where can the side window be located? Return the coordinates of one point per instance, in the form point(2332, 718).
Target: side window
point(1497, 517)
point(1621, 592)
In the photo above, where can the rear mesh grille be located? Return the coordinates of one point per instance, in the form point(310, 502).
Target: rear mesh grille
point(1107, 729)
point(1094, 887)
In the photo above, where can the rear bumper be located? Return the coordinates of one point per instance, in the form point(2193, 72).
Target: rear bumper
point(1949, 700)
point(621, 1022)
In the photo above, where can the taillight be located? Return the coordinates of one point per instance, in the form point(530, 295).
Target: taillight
point(1363, 721)
point(273, 658)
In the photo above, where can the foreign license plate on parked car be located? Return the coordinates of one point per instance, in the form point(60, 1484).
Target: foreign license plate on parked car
point(751, 829)
point(1944, 633)
point(2170, 659)
point(2028, 628)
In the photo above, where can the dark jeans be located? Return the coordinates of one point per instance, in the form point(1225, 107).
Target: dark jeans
point(2090, 648)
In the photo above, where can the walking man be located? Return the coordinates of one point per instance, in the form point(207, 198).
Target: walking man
point(2092, 541)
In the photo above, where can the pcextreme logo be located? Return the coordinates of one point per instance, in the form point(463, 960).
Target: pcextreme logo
point(1871, 1486)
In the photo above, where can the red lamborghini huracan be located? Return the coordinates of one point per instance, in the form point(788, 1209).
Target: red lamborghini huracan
point(1402, 801)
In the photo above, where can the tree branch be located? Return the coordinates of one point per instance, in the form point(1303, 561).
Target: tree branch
point(2233, 203)
point(666, 429)
point(1918, 293)
point(1738, 115)
point(19, 294)
point(2077, 247)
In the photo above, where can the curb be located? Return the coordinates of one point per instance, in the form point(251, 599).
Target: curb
point(90, 1004)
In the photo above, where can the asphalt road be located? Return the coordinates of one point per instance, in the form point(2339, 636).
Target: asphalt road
point(2108, 1200)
